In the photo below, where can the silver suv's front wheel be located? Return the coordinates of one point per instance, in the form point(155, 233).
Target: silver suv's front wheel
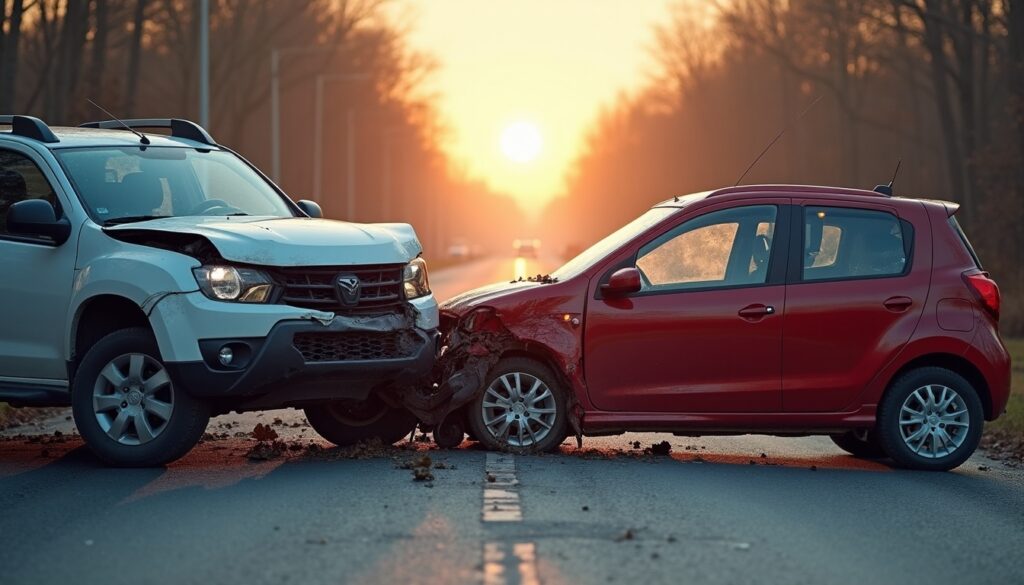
point(127, 408)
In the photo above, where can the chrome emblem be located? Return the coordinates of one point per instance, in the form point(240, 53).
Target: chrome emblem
point(348, 289)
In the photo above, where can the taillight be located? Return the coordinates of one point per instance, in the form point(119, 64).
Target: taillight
point(986, 289)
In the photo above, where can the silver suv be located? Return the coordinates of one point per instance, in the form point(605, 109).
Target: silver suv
point(152, 281)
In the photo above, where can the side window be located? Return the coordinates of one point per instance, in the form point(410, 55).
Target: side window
point(853, 243)
point(21, 179)
point(722, 248)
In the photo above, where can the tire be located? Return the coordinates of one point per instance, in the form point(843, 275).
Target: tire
point(961, 420)
point(860, 443)
point(498, 400)
point(148, 433)
point(347, 422)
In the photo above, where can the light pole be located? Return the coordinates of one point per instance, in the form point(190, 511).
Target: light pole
point(275, 101)
point(204, 63)
point(350, 142)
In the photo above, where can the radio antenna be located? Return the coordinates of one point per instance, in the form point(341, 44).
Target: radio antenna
point(777, 137)
point(142, 137)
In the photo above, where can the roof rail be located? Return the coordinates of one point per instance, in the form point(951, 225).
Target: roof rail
point(29, 127)
point(179, 128)
point(775, 189)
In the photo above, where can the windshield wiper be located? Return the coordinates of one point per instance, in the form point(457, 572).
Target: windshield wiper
point(131, 219)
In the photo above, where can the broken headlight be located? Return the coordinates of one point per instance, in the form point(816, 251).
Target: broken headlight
point(415, 279)
point(227, 283)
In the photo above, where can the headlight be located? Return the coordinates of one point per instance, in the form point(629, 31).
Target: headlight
point(227, 283)
point(415, 279)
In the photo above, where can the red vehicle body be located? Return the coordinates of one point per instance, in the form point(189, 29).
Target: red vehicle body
point(784, 355)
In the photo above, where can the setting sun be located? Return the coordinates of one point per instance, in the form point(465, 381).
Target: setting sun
point(521, 141)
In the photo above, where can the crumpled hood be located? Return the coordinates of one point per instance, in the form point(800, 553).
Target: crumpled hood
point(486, 295)
point(293, 241)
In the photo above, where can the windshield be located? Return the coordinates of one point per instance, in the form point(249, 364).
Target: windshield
point(123, 184)
point(612, 242)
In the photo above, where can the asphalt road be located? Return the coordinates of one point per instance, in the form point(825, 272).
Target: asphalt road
point(716, 510)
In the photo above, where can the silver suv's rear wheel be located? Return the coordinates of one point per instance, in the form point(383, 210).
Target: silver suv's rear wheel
point(126, 406)
point(930, 418)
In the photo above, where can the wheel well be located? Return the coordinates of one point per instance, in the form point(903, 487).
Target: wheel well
point(545, 358)
point(99, 317)
point(956, 364)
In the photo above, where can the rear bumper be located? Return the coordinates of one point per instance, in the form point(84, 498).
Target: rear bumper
point(987, 352)
point(271, 371)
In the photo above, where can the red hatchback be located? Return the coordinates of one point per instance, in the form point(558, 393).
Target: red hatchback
point(784, 310)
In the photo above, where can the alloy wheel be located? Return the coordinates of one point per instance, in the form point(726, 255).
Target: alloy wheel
point(934, 421)
point(133, 399)
point(519, 409)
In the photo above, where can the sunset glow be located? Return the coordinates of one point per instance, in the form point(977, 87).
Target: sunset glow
point(521, 142)
point(516, 61)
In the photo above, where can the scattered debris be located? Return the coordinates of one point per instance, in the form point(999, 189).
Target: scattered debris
point(671, 538)
point(1004, 446)
point(422, 474)
point(264, 451)
point(636, 444)
point(983, 468)
point(264, 433)
point(764, 455)
point(661, 449)
point(814, 468)
point(627, 535)
point(541, 278)
point(586, 508)
point(490, 478)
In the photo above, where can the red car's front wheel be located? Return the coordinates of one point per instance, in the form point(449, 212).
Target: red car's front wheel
point(522, 408)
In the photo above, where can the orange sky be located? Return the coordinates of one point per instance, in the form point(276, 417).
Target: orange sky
point(551, 63)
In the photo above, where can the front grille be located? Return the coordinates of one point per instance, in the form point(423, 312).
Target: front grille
point(344, 347)
point(316, 288)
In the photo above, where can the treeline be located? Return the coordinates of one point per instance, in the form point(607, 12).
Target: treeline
point(140, 58)
point(938, 84)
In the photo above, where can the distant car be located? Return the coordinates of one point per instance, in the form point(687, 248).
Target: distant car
point(154, 281)
point(785, 310)
point(526, 248)
point(458, 251)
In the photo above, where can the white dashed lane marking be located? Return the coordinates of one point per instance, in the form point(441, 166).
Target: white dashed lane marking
point(501, 496)
point(506, 562)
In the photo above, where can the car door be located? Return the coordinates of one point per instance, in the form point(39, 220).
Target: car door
point(858, 277)
point(36, 278)
point(704, 333)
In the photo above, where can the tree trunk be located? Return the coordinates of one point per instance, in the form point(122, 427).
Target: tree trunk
point(99, 53)
point(8, 80)
point(134, 56)
point(934, 42)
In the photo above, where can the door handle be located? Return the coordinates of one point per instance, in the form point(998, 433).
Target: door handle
point(898, 304)
point(756, 311)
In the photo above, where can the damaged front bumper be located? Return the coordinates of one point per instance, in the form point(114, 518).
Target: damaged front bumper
point(309, 357)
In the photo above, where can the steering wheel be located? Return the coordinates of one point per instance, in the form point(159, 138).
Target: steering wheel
point(210, 205)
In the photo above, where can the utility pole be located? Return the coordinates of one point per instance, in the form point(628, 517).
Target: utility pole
point(350, 142)
point(275, 101)
point(204, 63)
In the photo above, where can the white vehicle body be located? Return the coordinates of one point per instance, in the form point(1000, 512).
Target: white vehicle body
point(141, 273)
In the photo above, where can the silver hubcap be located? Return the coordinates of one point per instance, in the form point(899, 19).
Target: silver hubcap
point(133, 399)
point(519, 409)
point(934, 421)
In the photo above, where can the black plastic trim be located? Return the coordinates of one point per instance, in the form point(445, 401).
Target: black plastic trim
point(277, 375)
point(179, 128)
point(29, 127)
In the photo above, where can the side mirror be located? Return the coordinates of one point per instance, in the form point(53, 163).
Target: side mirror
point(310, 208)
point(36, 217)
point(622, 282)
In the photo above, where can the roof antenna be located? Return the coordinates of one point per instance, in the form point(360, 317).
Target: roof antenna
point(887, 189)
point(777, 137)
point(142, 137)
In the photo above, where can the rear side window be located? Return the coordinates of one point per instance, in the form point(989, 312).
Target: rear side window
point(963, 238)
point(843, 243)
